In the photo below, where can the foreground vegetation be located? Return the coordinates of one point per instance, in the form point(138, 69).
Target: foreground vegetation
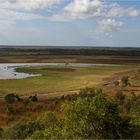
point(88, 115)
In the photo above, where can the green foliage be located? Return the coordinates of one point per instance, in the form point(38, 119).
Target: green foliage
point(125, 80)
point(9, 110)
point(89, 92)
point(48, 119)
point(22, 130)
point(128, 105)
point(89, 116)
point(1, 132)
point(93, 118)
point(138, 71)
point(136, 116)
point(37, 135)
point(120, 97)
point(136, 110)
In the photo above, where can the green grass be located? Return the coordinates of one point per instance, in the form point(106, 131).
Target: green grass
point(57, 81)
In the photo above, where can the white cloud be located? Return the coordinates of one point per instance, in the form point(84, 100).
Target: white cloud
point(10, 14)
point(80, 9)
point(83, 9)
point(133, 12)
point(9, 17)
point(118, 11)
point(38, 4)
point(107, 13)
point(33, 4)
point(108, 25)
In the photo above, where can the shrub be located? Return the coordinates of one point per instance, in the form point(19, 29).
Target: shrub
point(48, 118)
point(9, 110)
point(1, 132)
point(22, 130)
point(125, 80)
point(56, 102)
point(96, 118)
point(18, 98)
point(128, 105)
point(89, 92)
point(33, 98)
point(10, 98)
point(26, 102)
point(37, 135)
point(120, 97)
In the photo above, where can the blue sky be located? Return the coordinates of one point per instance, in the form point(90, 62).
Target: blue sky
point(70, 22)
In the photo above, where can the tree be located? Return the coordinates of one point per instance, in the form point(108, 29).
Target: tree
point(95, 118)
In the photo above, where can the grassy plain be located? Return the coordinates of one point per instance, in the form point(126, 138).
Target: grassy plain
point(60, 79)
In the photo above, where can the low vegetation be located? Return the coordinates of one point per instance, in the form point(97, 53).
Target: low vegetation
point(60, 79)
point(87, 115)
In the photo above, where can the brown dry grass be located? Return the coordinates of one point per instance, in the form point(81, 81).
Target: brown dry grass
point(25, 114)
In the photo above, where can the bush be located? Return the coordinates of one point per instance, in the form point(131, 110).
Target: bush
point(120, 97)
point(85, 117)
point(95, 118)
point(26, 102)
point(48, 119)
point(9, 110)
point(125, 80)
point(1, 132)
point(10, 98)
point(37, 135)
point(89, 92)
point(128, 105)
point(22, 130)
point(33, 98)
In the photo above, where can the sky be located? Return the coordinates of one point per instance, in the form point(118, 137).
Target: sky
point(70, 22)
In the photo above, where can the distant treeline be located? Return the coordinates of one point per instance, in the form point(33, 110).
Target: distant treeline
point(70, 51)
